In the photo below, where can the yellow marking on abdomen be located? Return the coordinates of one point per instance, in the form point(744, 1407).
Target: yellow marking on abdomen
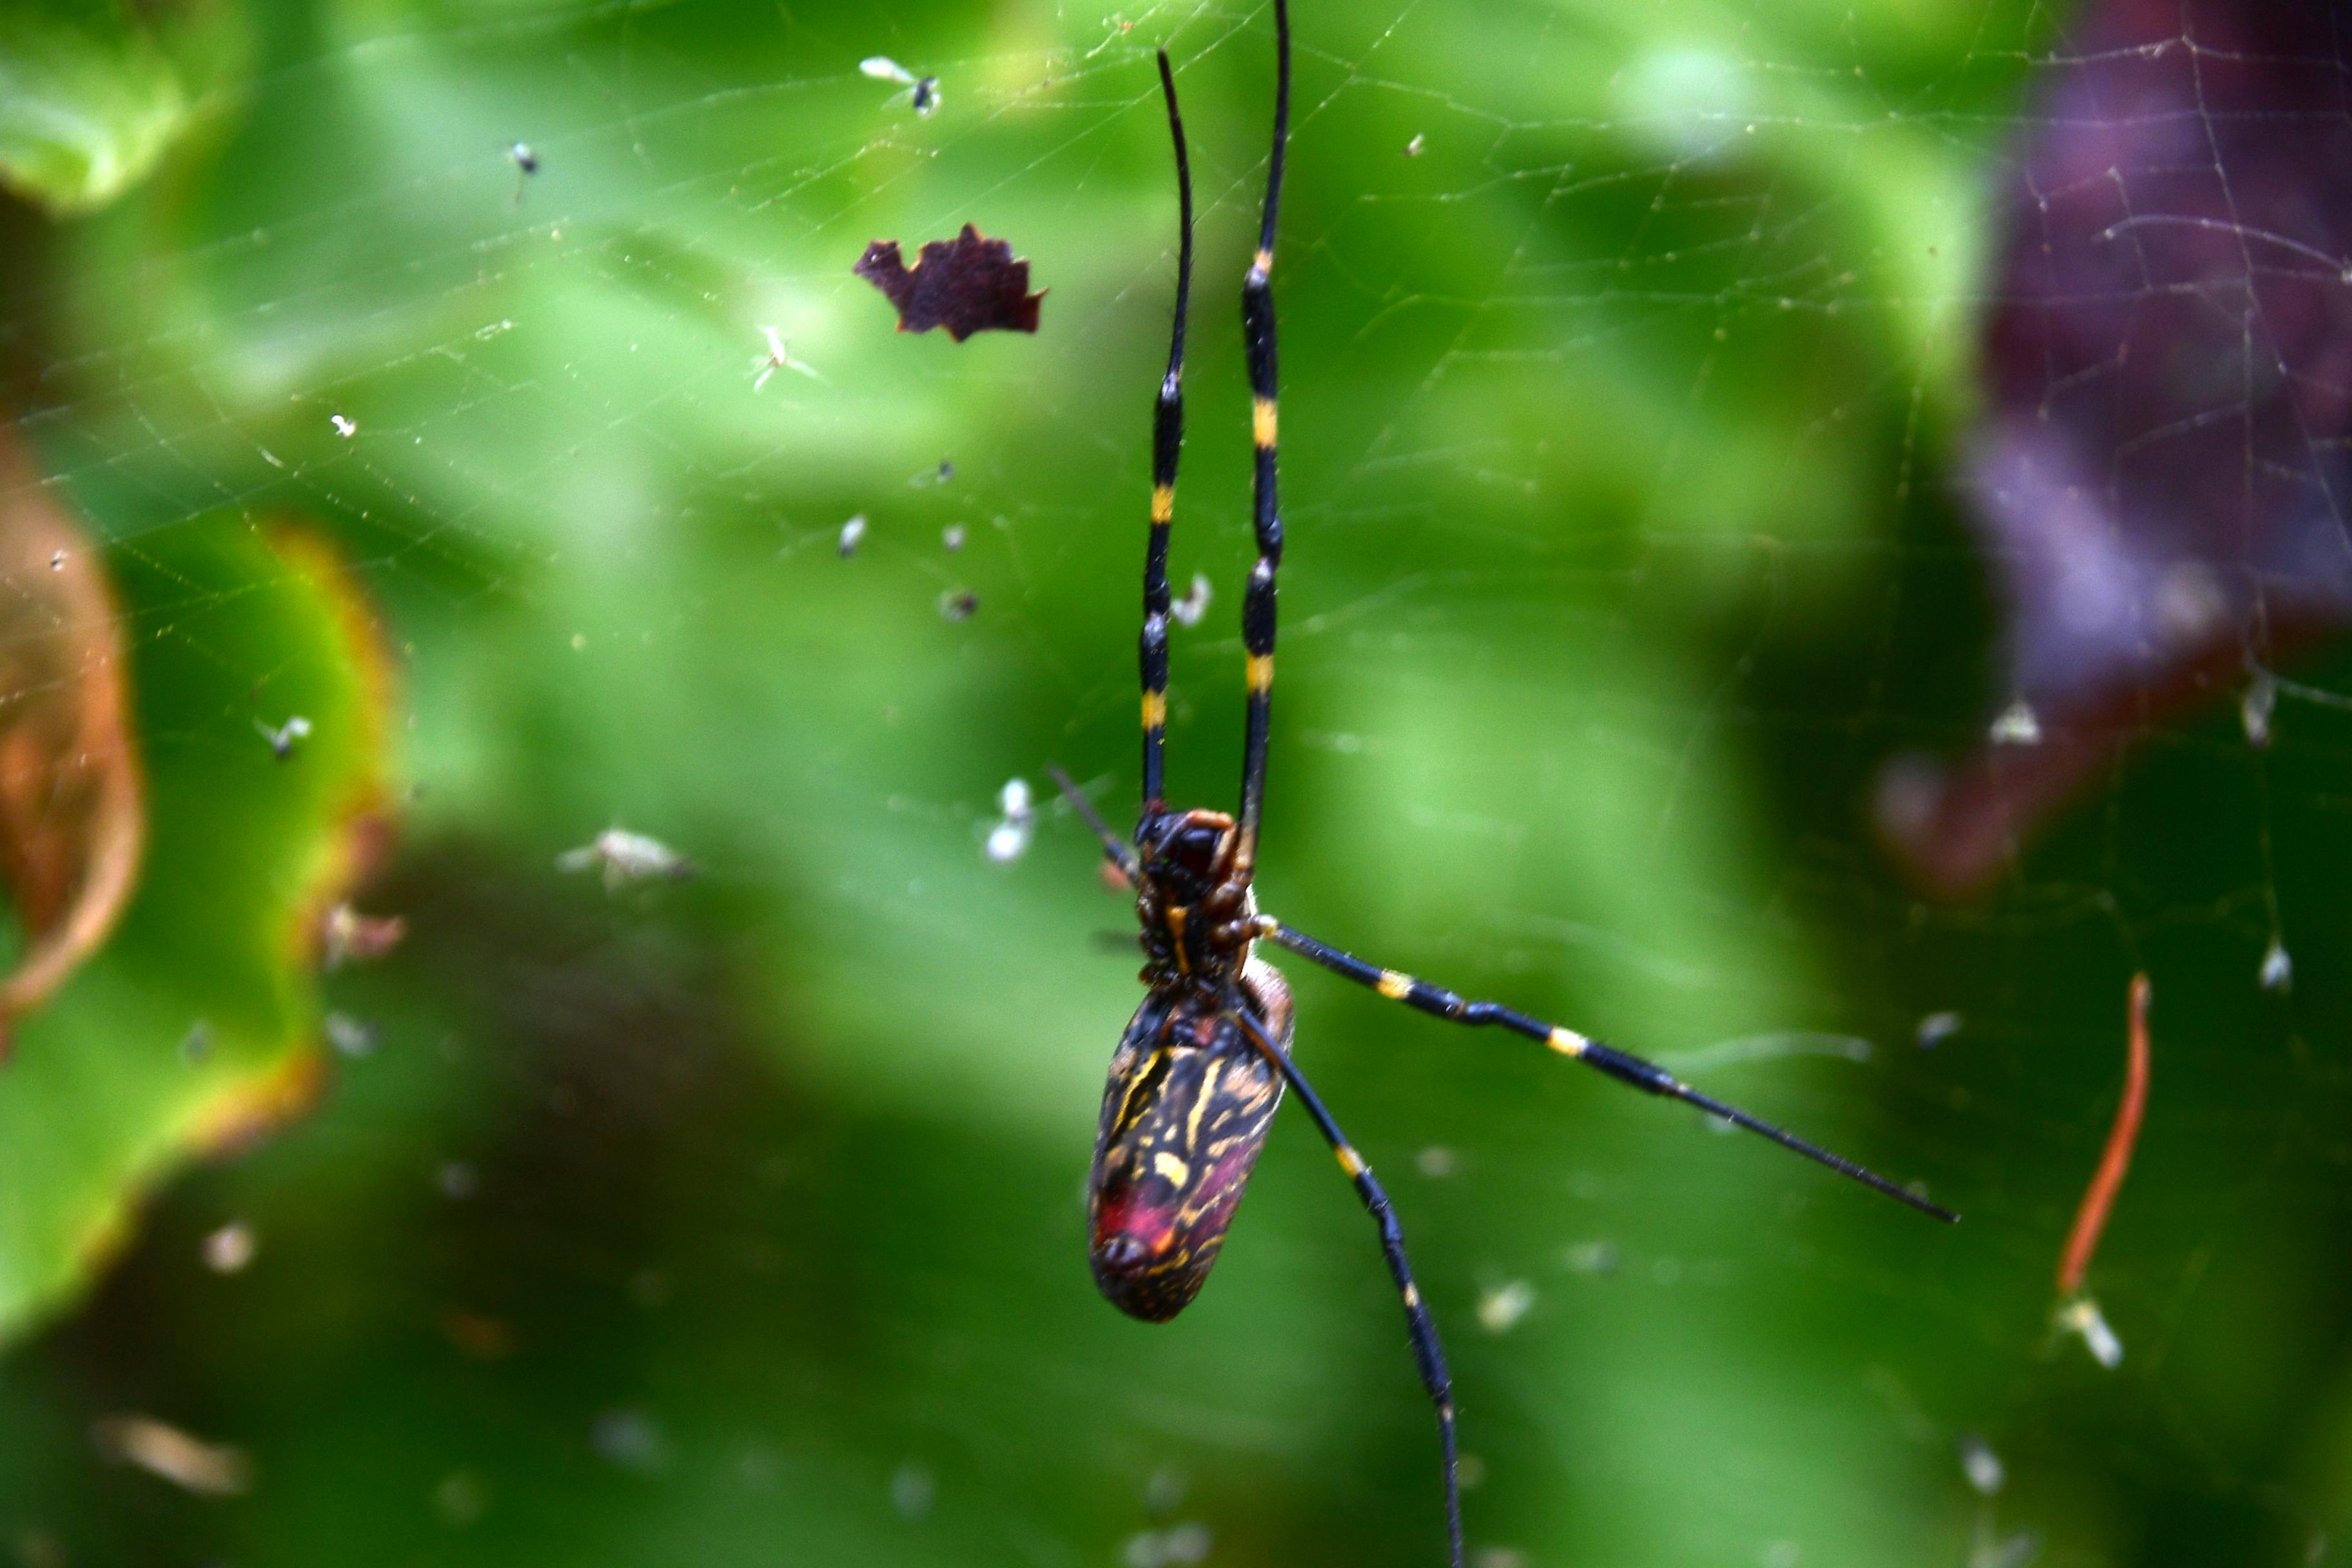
point(1394, 986)
point(1262, 262)
point(1411, 1298)
point(1261, 673)
point(1155, 710)
point(1176, 917)
point(1170, 1166)
point(1200, 1104)
point(1261, 422)
point(1163, 503)
point(1350, 1161)
point(1567, 1042)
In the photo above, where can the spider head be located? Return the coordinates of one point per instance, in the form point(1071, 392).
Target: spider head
point(1186, 855)
point(1185, 894)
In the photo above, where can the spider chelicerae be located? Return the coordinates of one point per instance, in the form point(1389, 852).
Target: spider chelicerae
point(1198, 1073)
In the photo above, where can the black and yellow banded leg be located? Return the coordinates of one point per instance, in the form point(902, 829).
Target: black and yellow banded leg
point(1257, 348)
point(1428, 1355)
point(1166, 444)
point(1622, 1065)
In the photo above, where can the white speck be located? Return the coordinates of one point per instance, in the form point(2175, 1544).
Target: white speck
point(1009, 839)
point(1593, 1257)
point(778, 357)
point(2254, 708)
point(1435, 1161)
point(2278, 968)
point(1180, 1545)
point(2017, 726)
point(912, 1491)
point(1417, 146)
point(1498, 1310)
point(1981, 1465)
point(344, 428)
point(882, 68)
point(1937, 1027)
point(625, 858)
point(281, 740)
point(524, 158)
point(207, 1469)
point(2081, 1316)
point(228, 1249)
point(349, 1036)
point(1188, 609)
point(952, 536)
point(852, 532)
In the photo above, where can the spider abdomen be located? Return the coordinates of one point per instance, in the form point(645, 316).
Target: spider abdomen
point(1184, 1115)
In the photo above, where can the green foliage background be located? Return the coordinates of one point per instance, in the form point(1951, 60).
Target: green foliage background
point(1618, 426)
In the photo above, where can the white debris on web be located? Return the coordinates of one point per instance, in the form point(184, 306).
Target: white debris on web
point(1937, 1027)
point(2278, 968)
point(1592, 1257)
point(923, 91)
point(625, 858)
point(2256, 708)
point(1178, 1546)
point(2081, 1317)
point(1500, 1310)
point(230, 1249)
point(2016, 725)
point(344, 428)
point(1009, 839)
point(281, 740)
point(852, 532)
point(351, 1036)
point(778, 357)
point(951, 536)
point(1188, 609)
point(163, 1450)
point(1981, 1465)
point(1417, 146)
point(350, 937)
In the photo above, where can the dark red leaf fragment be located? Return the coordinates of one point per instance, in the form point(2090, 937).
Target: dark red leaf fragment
point(968, 284)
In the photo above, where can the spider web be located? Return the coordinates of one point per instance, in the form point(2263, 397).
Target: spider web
point(1630, 363)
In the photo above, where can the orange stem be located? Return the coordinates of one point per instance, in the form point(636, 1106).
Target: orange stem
point(2091, 1217)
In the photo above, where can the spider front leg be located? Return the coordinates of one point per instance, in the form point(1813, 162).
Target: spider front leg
point(1622, 1065)
point(1257, 345)
point(1428, 1355)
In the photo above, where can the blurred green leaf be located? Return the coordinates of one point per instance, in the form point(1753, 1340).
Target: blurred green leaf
point(193, 1028)
point(89, 101)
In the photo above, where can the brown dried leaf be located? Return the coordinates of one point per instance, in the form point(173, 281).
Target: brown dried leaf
point(968, 284)
point(72, 809)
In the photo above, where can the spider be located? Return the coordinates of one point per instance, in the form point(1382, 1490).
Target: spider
point(1201, 1069)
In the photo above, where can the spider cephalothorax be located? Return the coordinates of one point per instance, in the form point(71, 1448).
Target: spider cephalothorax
point(1194, 907)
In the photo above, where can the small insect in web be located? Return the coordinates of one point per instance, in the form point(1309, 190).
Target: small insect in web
point(922, 91)
point(1197, 1077)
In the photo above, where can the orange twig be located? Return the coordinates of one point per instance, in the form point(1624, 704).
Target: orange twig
point(2091, 1217)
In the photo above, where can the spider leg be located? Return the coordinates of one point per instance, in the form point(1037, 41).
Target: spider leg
point(1622, 1065)
point(1167, 442)
point(1428, 1355)
point(1257, 343)
point(1115, 849)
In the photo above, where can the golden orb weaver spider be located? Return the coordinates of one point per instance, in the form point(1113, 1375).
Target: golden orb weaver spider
point(1198, 1073)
